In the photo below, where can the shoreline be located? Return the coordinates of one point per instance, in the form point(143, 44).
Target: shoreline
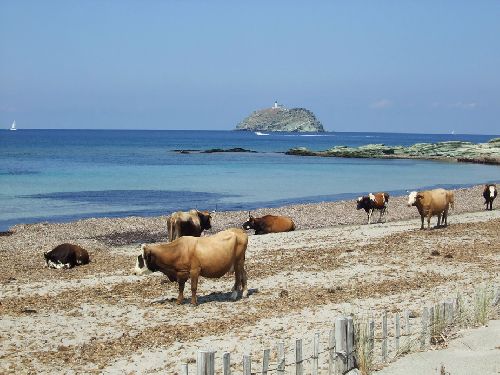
point(313, 215)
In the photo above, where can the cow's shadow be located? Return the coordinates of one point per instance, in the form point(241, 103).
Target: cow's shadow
point(212, 297)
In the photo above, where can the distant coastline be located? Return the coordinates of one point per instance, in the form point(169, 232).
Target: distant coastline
point(454, 151)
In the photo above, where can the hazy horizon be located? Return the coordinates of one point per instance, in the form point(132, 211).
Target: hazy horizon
point(401, 67)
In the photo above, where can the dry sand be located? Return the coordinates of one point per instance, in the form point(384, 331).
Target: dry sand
point(99, 318)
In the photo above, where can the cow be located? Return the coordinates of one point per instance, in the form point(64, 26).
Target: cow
point(66, 255)
point(191, 223)
point(190, 257)
point(430, 203)
point(269, 224)
point(371, 202)
point(489, 194)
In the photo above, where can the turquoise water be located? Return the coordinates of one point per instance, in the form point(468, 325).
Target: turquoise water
point(62, 175)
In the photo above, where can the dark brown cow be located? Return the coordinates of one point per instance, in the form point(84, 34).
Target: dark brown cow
point(269, 224)
point(371, 202)
point(191, 223)
point(66, 255)
point(190, 257)
point(489, 194)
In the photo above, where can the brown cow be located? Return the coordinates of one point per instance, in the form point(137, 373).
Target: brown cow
point(191, 223)
point(489, 195)
point(430, 203)
point(371, 202)
point(269, 224)
point(66, 255)
point(190, 257)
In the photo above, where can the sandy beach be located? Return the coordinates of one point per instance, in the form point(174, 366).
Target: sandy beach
point(99, 318)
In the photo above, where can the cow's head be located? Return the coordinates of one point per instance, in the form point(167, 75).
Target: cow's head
point(141, 265)
point(205, 217)
point(492, 189)
point(412, 198)
point(360, 203)
point(250, 224)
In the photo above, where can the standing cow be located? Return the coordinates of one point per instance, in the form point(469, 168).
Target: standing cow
point(432, 203)
point(191, 223)
point(66, 255)
point(489, 194)
point(371, 202)
point(191, 257)
point(269, 224)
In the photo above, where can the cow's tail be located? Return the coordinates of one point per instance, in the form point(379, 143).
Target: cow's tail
point(386, 197)
point(451, 198)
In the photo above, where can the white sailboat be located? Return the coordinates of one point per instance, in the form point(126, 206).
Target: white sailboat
point(13, 126)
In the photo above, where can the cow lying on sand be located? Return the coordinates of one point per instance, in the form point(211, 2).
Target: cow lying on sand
point(66, 255)
point(191, 257)
point(432, 202)
point(269, 224)
point(191, 223)
point(371, 202)
point(489, 194)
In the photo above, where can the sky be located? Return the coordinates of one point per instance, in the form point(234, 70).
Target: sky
point(382, 66)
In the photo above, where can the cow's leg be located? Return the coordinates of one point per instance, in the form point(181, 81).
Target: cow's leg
point(439, 220)
point(369, 215)
point(237, 281)
point(244, 282)
point(180, 297)
point(422, 220)
point(381, 214)
point(194, 287)
point(429, 221)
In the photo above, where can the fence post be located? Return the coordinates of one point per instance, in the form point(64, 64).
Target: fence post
point(431, 324)
point(449, 311)
point(315, 363)
point(281, 358)
point(384, 337)
point(331, 352)
point(423, 335)
point(265, 361)
point(299, 366)
point(350, 343)
point(205, 364)
point(341, 345)
point(247, 364)
point(226, 363)
point(184, 369)
point(398, 331)
point(407, 323)
point(371, 333)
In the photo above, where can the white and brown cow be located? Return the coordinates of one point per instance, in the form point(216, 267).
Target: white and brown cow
point(66, 255)
point(489, 195)
point(432, 203)
point(191, 223)
point(190, 257)
point(373, 201)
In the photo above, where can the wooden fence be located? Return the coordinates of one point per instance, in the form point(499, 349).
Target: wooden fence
point(343, 343)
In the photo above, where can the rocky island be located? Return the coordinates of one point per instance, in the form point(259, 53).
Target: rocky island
point(485, 153)
point(281, 119)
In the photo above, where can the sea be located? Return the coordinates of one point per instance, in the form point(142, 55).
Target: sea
point(65, 175)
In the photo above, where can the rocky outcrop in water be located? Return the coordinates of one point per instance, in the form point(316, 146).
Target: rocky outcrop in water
point(486, 153)
point(279, 119)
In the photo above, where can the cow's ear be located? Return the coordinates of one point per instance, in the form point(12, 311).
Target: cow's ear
point(419, 196)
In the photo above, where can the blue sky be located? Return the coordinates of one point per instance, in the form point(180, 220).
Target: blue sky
point(405, 66)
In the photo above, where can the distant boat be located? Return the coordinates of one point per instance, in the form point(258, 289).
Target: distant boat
point(259, 133)
point(13, 126)
point(453, 132)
